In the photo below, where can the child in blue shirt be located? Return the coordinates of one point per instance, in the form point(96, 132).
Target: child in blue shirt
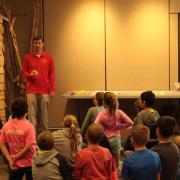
point(143, 164)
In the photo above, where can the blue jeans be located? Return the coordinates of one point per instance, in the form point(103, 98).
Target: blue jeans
point(38, 110)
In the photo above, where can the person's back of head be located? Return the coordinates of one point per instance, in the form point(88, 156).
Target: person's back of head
point(19, 107)
point(71, 122)
point(166, 126)
point(45, 141)
point(95, 133)
point(148, 97)
point(140, 135)
point(110, 102)
point(99, 97)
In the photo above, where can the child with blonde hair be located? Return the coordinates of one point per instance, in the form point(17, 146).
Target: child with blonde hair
point(68, 140)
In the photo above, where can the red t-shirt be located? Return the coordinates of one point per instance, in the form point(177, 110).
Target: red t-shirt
point(44, 82)
point(93, 163)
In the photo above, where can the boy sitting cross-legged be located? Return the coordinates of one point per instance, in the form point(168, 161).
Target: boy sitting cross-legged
point(47, 162)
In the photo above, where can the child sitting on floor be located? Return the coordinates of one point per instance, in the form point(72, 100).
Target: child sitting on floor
point(94, 162)
point(47, 162)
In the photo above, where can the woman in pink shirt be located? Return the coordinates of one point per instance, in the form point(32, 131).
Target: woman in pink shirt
point(113, 120)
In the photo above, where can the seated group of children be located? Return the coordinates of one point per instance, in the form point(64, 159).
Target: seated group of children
point(59, 154)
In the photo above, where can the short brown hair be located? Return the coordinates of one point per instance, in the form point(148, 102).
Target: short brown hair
point(140, 134)
point(37, 38)
point(45, 141)
point(166, 125)
point(19, 107)
point(95, 133)
point(99, 98)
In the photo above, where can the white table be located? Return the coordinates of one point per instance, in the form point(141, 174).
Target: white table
point(167, 102)
point(83, 94)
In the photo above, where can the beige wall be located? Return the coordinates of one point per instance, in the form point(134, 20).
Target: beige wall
point(173, 50)
point(137, 46)
point(174, 6)
point(174, 10)
point(74, 34)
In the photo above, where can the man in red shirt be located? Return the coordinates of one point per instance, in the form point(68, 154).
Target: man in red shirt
point(38, 70)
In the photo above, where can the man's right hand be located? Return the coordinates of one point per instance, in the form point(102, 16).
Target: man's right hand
point(34, 73)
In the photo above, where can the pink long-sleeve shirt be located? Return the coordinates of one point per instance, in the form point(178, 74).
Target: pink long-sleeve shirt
point(113, 123)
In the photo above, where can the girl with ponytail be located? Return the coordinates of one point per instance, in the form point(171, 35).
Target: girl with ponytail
point(113, 119)
point(68, 140)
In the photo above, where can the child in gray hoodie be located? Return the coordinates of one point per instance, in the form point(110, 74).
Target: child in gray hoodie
point(47, 162)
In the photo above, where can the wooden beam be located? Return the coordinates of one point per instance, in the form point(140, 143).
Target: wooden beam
point(4, 18)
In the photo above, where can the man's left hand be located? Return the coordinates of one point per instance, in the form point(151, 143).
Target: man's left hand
point(52, 94)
